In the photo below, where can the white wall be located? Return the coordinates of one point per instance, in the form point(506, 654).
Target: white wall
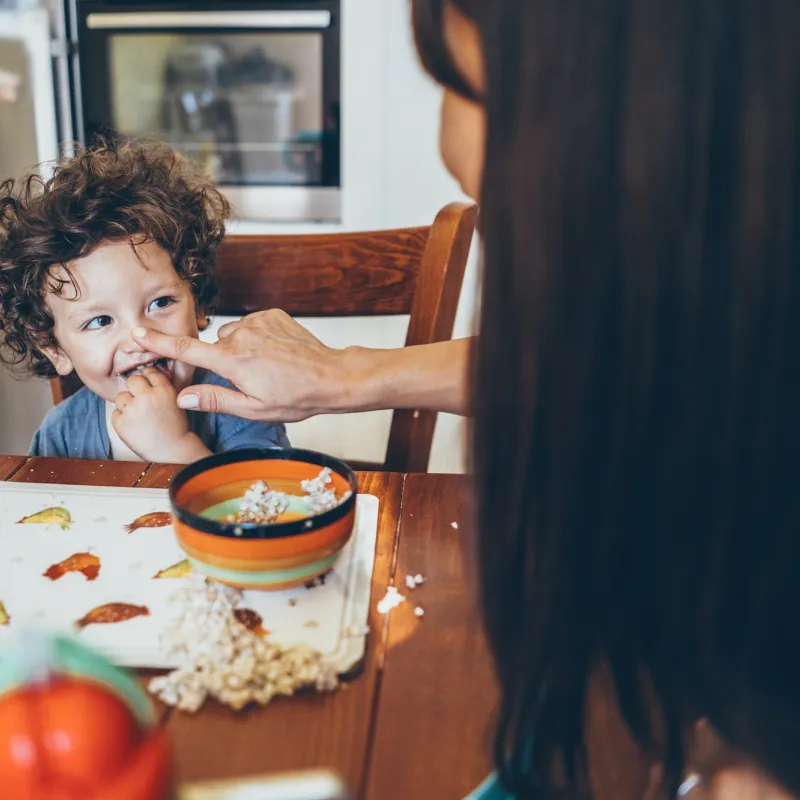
point(393, 176)
point(23, 405)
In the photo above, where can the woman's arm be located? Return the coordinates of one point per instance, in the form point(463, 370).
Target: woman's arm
point(431, 376)
point(284, 373)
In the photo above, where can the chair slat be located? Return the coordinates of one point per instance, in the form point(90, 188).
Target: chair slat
point(321, 275)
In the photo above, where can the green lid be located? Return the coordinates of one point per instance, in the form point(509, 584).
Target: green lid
point(37, 656)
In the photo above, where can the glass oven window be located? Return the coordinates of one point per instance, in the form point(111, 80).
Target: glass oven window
point(247, 108)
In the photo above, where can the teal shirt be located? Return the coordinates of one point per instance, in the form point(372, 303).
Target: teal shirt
point(490, 789)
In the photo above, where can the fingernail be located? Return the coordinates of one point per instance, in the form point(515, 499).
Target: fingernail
point(139, 333)
point(188, 401)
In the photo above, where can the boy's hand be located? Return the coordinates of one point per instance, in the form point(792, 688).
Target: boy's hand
point(148, 420)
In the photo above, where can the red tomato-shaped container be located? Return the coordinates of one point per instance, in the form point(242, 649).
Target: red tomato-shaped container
point(77, 728)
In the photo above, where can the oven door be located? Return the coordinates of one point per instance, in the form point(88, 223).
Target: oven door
point(250, 94)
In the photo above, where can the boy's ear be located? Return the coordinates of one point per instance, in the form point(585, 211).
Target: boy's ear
point(59, 359)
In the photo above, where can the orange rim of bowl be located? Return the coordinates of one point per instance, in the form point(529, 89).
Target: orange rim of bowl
point(253, 549)
point(241, 532)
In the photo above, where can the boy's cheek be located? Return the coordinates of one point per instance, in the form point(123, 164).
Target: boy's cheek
point(83, 356)
point(184, 322)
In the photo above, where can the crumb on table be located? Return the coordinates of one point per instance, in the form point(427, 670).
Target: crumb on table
point(391, 600)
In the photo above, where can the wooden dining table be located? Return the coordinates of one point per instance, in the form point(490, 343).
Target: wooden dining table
point(417, 721)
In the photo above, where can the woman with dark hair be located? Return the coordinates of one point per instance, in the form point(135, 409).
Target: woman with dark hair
point(636, 460)
point(636, 466)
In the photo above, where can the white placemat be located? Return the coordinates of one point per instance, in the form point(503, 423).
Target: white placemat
point(330, 617)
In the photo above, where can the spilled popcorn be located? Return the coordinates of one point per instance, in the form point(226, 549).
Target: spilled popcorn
point(222, 659)
point(412, 581)
point(262, 505)
point(391, 600)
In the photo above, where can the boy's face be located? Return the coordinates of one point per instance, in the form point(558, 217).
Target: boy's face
point(121, 286)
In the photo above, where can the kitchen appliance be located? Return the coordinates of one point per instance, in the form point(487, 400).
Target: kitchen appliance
point(248, 89)
point(27, 109)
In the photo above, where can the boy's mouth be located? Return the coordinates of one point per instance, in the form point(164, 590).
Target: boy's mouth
point(163, 365)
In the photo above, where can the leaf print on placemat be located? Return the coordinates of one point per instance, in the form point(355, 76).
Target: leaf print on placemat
point(56, 515)
point(251, 620)
point(111, 613)
point(155, 519)
point(180, 570)
point(85, 563)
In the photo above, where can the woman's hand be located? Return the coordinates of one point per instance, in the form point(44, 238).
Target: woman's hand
point(285, 374)
point(282, 371)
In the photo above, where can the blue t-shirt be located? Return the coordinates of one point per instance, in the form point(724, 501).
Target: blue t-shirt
point(77, 428)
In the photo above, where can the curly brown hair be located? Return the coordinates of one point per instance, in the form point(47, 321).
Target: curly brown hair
point(104, 193)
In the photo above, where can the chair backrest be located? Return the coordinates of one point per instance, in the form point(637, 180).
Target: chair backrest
point(415, 271)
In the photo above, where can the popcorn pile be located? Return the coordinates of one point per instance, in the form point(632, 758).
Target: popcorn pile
point(222, 659)
point(321, 495)
point(263, 505)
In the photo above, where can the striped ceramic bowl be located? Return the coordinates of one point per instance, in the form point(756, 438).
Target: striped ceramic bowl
point(280, 555)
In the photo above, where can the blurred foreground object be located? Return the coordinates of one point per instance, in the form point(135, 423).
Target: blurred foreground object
point(75, 727)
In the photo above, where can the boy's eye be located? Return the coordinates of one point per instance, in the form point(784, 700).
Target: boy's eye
point(98, 322)
point(161, 302)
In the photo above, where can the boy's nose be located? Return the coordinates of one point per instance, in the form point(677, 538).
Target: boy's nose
point(128, 345)
point(126, 325)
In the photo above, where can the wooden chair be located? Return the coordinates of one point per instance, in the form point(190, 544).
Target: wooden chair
point(416, 271)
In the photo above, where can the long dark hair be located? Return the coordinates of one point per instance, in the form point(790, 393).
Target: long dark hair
point(637, 456)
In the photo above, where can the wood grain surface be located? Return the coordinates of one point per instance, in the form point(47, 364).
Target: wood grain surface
point(433, 726)
point(9, 465)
